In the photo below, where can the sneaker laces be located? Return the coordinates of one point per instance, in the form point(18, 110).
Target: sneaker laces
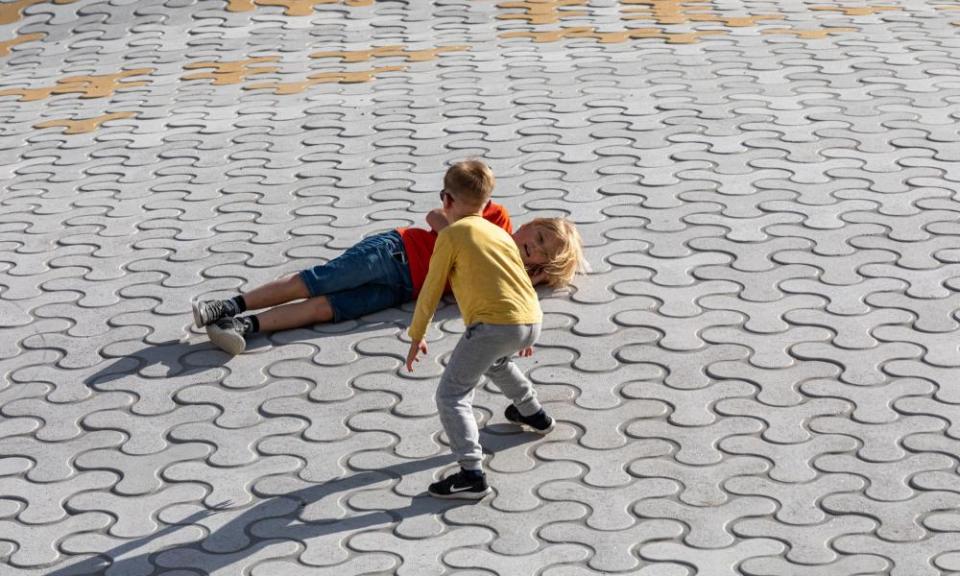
point(216, 309)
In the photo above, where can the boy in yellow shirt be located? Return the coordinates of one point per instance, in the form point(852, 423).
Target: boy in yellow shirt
point(502, 316)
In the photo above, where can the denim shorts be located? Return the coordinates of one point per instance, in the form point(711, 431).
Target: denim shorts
point(370, 276)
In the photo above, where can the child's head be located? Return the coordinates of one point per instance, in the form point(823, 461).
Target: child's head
point(470, 182)
point(552, 246)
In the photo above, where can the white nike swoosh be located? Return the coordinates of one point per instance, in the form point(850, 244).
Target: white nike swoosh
point(464, 489)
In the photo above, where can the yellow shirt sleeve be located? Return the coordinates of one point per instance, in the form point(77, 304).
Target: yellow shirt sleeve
point(440, 263)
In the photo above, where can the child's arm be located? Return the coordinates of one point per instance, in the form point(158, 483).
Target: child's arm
point(437, 220)
point(537, 275)
point(433, 286)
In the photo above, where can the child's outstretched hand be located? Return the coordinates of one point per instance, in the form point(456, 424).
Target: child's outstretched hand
point(528, 351)
point(415, 349)
point(537, 275)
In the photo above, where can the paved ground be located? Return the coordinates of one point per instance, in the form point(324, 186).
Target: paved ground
point(760, 375)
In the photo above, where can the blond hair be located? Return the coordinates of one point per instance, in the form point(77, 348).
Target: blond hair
point(470, 181)
point(568, 259)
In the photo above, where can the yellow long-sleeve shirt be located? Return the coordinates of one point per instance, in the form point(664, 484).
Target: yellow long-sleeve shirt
point(484, 268)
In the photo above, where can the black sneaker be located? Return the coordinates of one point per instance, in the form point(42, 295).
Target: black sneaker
point(539, 422)
point(460, 486)
point(227, 334)
point(206, 312)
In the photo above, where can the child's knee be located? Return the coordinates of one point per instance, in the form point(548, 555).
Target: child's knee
point(445, 395)
point(503, 369)
point(321, 309)
point(295, 285)
point(500, 366)
point(451, 392)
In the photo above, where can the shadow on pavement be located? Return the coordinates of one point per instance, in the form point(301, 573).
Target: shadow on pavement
point(282, 513)
point(177, 358)
point(174, 355)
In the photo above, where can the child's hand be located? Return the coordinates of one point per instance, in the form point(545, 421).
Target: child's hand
point(437, 219)
point(525, 352)
point(415, 349)
point(537, 275)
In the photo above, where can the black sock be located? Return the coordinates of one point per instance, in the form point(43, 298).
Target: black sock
point(240, 304)
point(251, 325)
point(472, 474)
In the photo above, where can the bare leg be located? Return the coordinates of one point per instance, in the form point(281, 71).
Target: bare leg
point(316, 310)
point(286, 289)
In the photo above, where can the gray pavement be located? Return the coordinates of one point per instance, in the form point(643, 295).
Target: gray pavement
point(760, 375)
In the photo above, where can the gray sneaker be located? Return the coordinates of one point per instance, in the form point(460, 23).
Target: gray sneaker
point(227, 334)
point(207, 312)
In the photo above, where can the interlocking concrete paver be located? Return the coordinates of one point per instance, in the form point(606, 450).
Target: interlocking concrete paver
point(614, 551)
point(129, 525)
point(48, 507)
point(757, 376)
point(791, 462)
point(604, 468)
point(35, 542)
point(878, 442)
point(802, 509)
point(776, 566)
point(719, 562)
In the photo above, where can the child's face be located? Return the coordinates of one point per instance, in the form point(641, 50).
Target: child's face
point(536, 245)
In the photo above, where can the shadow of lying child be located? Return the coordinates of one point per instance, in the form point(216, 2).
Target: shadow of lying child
point(179, 358)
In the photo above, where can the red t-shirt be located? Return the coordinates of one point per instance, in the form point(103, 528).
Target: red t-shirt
point(419, 243)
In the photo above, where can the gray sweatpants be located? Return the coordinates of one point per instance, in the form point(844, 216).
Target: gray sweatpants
point(484, 349)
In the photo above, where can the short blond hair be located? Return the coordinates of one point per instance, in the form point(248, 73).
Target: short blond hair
point(568, 259)
point(470, 181)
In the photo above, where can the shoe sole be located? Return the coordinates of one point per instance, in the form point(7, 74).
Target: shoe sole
point(229, 342)
point(197, 319)
point(463, 495)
